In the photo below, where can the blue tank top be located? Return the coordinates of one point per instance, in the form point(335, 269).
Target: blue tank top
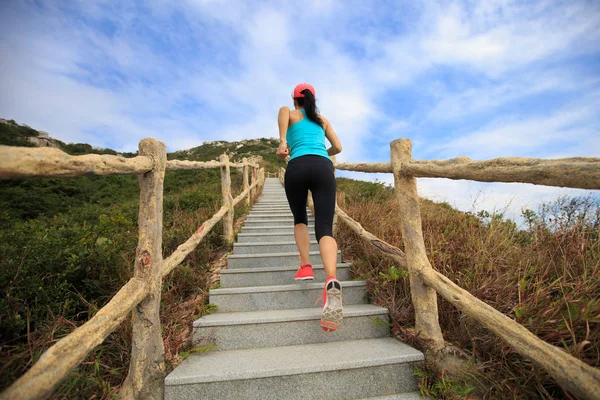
point(306, 137)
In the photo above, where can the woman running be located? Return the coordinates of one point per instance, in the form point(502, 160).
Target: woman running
point(310, 168)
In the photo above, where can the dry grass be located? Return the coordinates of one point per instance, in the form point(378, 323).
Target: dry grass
point(545, 277)
point(184, 299)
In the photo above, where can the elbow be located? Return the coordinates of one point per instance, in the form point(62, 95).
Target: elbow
point(338, 149)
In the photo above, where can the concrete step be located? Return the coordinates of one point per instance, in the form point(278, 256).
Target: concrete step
point(262, 209)
point(248, 277)
point(268, 237)
point(337, 370)
point(400, 396)
point(256, 329)
point(275, 222)
point(272, 259)
point(270, 247)
point(282, 297)
point(285, 229)
point(270, 212)
point(277, 217)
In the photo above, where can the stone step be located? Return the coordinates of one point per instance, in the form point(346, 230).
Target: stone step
point(274, 217)
point(336, 370)
point(275, 222)
point(281, 297)
point(272, 328)
point(269, 247)
point(400, 396)
point(268, 237)
point(272, 259)
point(247, 277)
point(271, 214)
point(265, 209)
point(285, 229)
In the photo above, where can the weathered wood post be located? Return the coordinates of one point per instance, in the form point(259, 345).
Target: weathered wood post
point(282, 175)
point(261, 177)
point(246, 185)
point(147, 366)
point(227, 198)
point(424, 298)
point(254, 178)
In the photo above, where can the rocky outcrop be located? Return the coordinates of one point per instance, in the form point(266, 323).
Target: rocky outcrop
point(43, 140)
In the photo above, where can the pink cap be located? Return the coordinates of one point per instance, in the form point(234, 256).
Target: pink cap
point(302, 86)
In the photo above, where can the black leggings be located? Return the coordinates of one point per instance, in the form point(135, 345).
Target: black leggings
point(314, 173)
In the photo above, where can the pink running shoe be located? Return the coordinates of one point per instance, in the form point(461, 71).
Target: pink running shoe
point(305, 273)
point(333, 312)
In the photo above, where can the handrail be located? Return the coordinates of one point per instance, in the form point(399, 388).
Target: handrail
point(576, 172)
point(23, 162)
point(573, 374)
point(141, 295)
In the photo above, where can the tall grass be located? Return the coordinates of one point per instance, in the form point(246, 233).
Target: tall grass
point(58, 270)
point(545, 277)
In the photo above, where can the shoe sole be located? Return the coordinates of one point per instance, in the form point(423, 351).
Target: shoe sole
point(333, 312)
point(310, 278)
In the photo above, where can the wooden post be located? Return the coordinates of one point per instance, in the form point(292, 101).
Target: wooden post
point(146, 376)
point(261, 177)
point(254, 177)
point(227, 199)
point(246, 185)
point(424, 298)
point(282, 175)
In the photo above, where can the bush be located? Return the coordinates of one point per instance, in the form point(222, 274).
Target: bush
point(545, 277)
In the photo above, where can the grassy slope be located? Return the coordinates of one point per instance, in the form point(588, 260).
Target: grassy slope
point(67, 245)
point(545, 278)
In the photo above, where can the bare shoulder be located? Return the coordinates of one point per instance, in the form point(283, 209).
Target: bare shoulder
point(325, 122)
point(295, 116)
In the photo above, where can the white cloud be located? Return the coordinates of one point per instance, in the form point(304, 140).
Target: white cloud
point(200, 70)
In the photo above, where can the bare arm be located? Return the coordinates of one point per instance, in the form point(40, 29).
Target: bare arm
point(283, 120)
point(336, 145)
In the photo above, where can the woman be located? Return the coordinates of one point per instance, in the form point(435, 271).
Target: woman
point(309, 168)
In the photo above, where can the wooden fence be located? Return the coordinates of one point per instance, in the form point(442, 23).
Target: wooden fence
point(141, 295)
point(425, 282)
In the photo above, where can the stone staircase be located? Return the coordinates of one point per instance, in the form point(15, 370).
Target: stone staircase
point(268, 343)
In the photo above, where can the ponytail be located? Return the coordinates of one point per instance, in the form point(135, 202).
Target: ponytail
point(310, 107)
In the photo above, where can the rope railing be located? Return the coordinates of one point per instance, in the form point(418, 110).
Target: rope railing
point(141, 294)
point(573, 374)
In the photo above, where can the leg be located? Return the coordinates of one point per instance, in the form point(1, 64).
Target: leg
point(296, 190)
point(324, 199)
point(303, 242)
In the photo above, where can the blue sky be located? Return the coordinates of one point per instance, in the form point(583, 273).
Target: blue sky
point(479, 79)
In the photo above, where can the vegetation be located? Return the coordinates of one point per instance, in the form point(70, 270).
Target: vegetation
point(67, 245)
point(236, 150)
point(545, 277)
point(13, 134)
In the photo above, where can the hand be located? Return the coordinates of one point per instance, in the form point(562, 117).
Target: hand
point(282, 151)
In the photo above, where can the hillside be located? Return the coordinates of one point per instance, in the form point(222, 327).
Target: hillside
point(68, 244)
point(30, 198)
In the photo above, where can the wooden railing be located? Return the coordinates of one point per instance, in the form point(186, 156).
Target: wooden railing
point(141, 295)
point(425, 282)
